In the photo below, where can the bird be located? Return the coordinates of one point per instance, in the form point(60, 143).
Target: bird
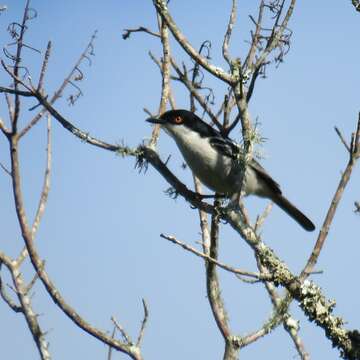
point(214, 160)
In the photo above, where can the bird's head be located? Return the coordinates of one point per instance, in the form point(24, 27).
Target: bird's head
point(177, 122)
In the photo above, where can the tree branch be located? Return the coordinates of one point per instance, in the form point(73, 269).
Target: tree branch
point(161, 8)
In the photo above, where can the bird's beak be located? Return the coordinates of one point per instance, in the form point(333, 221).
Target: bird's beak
point(156, 121)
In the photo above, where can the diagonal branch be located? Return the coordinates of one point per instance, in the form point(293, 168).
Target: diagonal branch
point(354, 154)
point(161, 8)
point(263, 277)
point(44, 193)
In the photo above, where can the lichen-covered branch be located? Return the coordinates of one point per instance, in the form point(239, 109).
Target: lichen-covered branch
point(25, 305)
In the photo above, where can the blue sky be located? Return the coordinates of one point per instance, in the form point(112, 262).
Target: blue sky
point(100, 233)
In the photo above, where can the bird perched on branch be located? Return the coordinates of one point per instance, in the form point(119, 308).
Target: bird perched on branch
point(216, 161)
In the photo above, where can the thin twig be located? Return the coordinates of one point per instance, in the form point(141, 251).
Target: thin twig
point(110, 347)
point(19, 43)
point(162, 9)
point(7, 90)
point(193, 91)
point(44, 67)
point(165, 72)
point(261, 218)
point(255, 39)
point(345, 177)
point(46, 185)
point(143, 323)
point(58, 93)
point(342, 139)
point(276, 36)
point(127, 32)
point(4, 259)
point(214, 261)
point(204, 225)
point(44, 193)
point(122, 331)
point(5, 169)
point(232, 19)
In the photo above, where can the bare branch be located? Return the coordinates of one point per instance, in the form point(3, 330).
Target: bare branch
point(143, 323)
point(276, 35)
point(132, 351)
point(25, 306)
point(4, 259)
point(122, 331)
point(15, 91)
point(110, 348)
point(44, 67)
point(32, 282)
point(214, 261)
point(213, 285)
point(345, 177)
point(186, 81)
point(17, 60)
point(212, 281)
point(232, 19)
point(127, 32)
point(5, 169)
point(46, 185)
point(260, 219)
point(161, 8)
point(342, 139)
point(204, 226)
point(165, 72)
point(9, 105)
point(255, 38)
point(58, 93)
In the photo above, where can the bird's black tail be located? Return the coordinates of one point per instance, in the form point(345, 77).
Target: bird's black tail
point(294, 212)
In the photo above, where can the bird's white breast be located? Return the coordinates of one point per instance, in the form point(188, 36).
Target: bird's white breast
point(212, 169)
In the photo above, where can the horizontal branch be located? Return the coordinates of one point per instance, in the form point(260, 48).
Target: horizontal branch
point(15, 91)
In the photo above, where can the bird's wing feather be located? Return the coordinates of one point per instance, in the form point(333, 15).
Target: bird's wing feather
point(225, 146)
point(261, 172)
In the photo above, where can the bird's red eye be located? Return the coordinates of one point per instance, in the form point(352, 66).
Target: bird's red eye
point(178, 120)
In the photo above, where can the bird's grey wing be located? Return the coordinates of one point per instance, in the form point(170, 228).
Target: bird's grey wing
point(225, 146)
